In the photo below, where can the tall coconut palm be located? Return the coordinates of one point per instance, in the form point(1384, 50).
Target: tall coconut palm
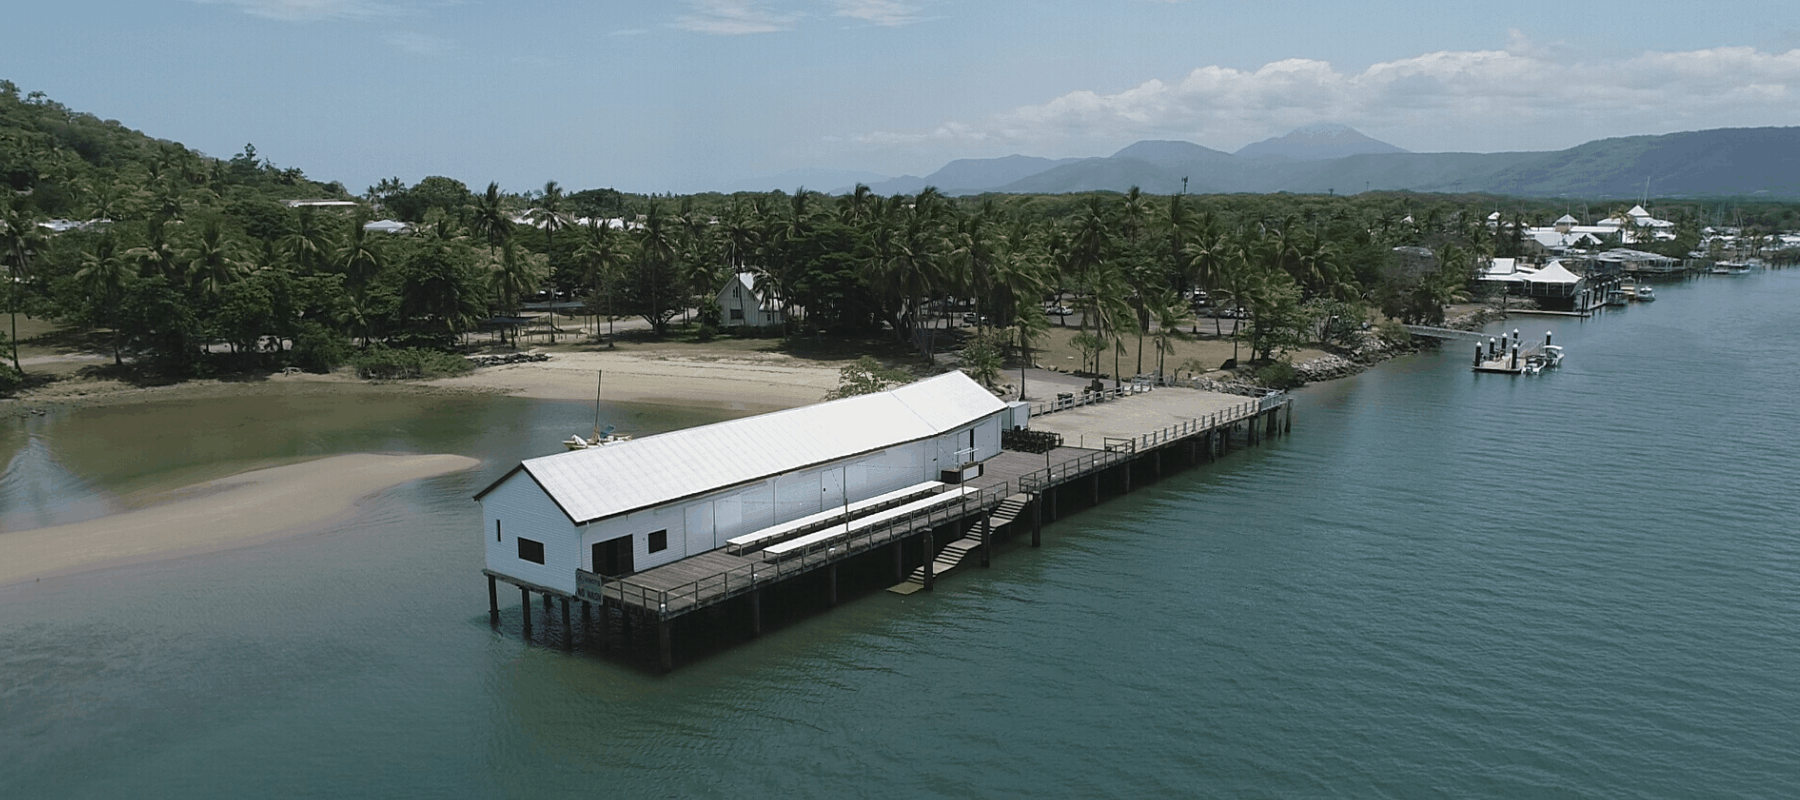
point(602, 254)
point(20, 240)
point(104, 275)
point(213, 260)
point(359, 257)
point(489, 219)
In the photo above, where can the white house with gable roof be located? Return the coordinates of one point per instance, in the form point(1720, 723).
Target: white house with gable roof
point(642, 503)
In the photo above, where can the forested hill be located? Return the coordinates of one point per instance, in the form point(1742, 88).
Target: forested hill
point(62, 163)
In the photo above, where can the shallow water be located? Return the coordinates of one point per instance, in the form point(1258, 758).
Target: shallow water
point(1441, 584)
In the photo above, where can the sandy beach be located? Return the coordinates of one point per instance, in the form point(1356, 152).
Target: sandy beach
point(217, 514)
point(741, 381)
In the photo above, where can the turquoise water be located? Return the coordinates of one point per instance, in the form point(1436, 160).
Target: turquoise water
point(1583, 584)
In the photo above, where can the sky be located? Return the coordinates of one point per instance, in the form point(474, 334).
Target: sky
point(694, 95)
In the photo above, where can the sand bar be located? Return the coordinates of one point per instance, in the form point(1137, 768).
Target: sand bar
point(219, 514)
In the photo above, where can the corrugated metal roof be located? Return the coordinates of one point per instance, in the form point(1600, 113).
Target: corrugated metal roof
point(605, 481)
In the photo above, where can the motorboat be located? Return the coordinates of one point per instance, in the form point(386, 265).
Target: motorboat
point(1644, 293)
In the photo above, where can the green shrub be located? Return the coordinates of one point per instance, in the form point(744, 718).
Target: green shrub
point(319, 349)
point(11, 380)
point(387, 363)
point(1279, 375)
point(1394, 333)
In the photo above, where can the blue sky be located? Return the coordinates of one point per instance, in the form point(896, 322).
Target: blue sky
point(687, 95)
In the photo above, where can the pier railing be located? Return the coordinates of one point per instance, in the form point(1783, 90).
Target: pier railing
point(1067, 400)
point(740, 580)
point(1117, 449)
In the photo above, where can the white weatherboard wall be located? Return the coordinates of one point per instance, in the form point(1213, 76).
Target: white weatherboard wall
point(522, 509)
point(707, 523)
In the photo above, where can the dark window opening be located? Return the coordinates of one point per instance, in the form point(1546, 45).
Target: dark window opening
point(737, 313)
point(613, 557)
point(531, 551)
point(659, 541)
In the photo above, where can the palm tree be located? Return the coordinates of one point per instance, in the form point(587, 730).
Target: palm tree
point(602, 253)
point(490, 220)
point(359, 258)
point(20, 239)
point(213, 260)
point(547, 214)
point(310, 244)
point(103, 276)
point(513, 276)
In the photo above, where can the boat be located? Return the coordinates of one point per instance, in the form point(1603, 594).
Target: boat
point(601, 438)
point(1616, 297)
point(1644, 293)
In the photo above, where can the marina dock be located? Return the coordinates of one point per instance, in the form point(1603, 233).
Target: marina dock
point(1091, 446)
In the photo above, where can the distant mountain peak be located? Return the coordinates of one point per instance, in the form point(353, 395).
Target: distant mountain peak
point(1318, 142)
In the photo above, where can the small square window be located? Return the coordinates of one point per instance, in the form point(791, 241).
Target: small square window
point(659, 541)
point(531, 551)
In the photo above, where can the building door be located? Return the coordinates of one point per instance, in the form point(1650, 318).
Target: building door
point(831, 489)
point(613, 557)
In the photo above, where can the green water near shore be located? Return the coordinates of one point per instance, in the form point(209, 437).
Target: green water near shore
point(1441, 584)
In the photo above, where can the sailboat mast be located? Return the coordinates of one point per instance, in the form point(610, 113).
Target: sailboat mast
point(598, 375)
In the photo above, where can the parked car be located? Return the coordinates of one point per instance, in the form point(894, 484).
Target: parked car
point(973, 319)
point(1058, 311)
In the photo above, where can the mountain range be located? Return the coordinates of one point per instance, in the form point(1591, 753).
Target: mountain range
point(1336, 159)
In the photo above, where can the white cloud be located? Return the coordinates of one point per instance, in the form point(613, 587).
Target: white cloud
point(302, 10)
point(734, 18)
point(879, 12)
point(420, 44)
point(1524, 97)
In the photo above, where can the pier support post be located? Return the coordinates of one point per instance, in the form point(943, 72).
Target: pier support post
point(756, 612)
point(1125, 470)
point(546, 605)
point(985, 543)
point(1158, 455)
point(1288, 427)
point(493, 602)
point(525, 610)
point(831, 584)
point(929, 554)
point(1037, 520)
point(665, 651)
point(587, 620)
point(899, 563)
point(568, 635)
point(1096, 484)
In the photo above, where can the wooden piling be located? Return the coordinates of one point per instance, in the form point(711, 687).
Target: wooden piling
point(899, 563)
point(831, 583)
point(568, 635)
point(663, 645)
point(525, 607)
point(756, 612)
point(929, 554)
point(1037, 519)
point(493, 601)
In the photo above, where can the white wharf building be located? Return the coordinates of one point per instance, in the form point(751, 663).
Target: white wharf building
point(650, 501)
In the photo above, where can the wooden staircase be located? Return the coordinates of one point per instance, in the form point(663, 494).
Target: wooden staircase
point(953, 553)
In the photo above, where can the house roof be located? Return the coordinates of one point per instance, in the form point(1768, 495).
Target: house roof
point(601, 482)
point(1553, 272)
